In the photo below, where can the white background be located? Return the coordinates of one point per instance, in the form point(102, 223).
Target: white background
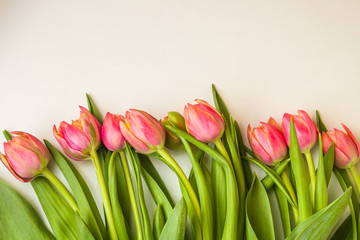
point(265, 57)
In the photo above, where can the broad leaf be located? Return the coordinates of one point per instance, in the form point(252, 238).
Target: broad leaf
point(18, 218)
point(259, 222)
point(175, 226)
point(320, 225)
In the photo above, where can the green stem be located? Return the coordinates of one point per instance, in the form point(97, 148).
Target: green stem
point(312, 173)
point(104, 195)
point(60, 186)
point(179, 172)
point(356, 177)
point(220, 146)
point(132, 197)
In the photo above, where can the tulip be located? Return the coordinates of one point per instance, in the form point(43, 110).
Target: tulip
point(172, 141)
point(147, 135)
point(142, 131)
point(203, 121)
point(347, 151)
point(25, 157)
point(306, 130)
point(111, 134)
point(80, 137)
point(267, 143)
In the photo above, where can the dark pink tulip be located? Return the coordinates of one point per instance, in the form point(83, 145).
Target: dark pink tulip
point(306, 130)
point(111, 134)
point(203, 121)
point(347, 149)
point(25, 156)
point(142, 131)
point(267, 143)
point(80, 137)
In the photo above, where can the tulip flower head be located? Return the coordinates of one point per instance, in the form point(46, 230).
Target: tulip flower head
point(80, 137)
point(172, 141)
point(25, 156)
point(142, 131)
point(347, 151)
point(306, 130)
point(203, 121)
point(111, 134)
point(267, 143)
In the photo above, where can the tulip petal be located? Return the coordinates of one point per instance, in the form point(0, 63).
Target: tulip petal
point(23, 161)
point(71, 153)
point(132, 139)
point(259, 151)
point(36, 142)
point(90, 126)
point(145, 129)
point(345, 144)
point(201, 124)
point(352, 138)
point(111, 134)
point(75, 137)
point(6, 163)
point(275, 142)
point(210, 109)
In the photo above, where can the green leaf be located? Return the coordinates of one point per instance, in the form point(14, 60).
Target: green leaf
point(204, 193)
point(276, 178)
point(175, 226)
point(320, 123)
point(267, 181)
point(301, 176)
point(242, 147)
point(7, 135)
point(220, 105)
point(135, 163)
point(321, 199)
point(284, 211)
point(259, 222)
point(348, 228)
point(61, 217)
point(320, 225)
point(83, 232)
point(119, 219)
point(151, 170)
point(93, 109)
point(18, 218)
point(87, 205)
point(329, 163)
point(159, 222)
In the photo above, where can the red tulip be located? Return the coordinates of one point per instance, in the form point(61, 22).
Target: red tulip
point(111, 134)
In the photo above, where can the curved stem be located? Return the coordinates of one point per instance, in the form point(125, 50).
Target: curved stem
point(104, 195)
point(312, 173)
point(132, 197)
point(179, 172)
point(60, 186)
point(220, 146)
point(356, 177)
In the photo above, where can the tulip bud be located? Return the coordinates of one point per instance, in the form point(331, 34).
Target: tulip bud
point(80, 137)
point(203, 121)
point(347, 151)
point(142, 131)
point(172, 141)
point(25, 156)
point(111, 134)
point(306, 130)
point(267, 143)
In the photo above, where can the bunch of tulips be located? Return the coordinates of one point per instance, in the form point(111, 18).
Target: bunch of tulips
point(222, 198)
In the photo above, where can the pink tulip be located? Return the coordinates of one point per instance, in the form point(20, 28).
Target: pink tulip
point(80, 137)
point(142, 131)
point(25, 156)
point(111, 134)
point(203, 121)
point(306, 130)
point(267, 143)
point(347, 151)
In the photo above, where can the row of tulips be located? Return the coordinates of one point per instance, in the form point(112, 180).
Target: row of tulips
point(221, 196)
